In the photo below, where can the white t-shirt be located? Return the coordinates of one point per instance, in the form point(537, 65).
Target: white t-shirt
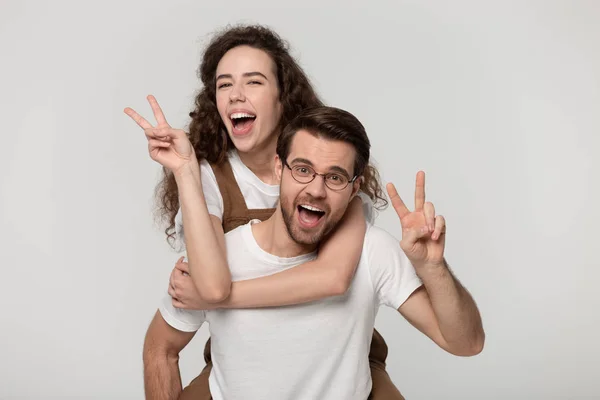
point(258, 195)
point(317, 350)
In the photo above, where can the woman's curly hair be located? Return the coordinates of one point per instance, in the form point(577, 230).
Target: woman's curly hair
point(207, 132)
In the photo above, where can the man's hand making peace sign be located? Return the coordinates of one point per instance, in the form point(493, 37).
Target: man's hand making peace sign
point(423, 232)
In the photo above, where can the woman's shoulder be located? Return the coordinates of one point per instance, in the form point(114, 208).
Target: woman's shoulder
point(368, 207)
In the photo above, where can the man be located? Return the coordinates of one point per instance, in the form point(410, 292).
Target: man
point(319, 350)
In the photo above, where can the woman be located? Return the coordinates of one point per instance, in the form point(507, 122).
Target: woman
point(252, 88)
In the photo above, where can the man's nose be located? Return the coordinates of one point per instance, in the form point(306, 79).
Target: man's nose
point(317, 187)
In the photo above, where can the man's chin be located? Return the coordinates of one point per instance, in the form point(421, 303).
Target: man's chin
point(307, 237)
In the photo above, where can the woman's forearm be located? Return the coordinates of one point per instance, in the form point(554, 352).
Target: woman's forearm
point(204, 246)
point(329, 275)
point(302, 284)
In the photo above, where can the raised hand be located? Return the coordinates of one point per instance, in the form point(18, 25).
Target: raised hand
point(169, 147)
point(423, 232)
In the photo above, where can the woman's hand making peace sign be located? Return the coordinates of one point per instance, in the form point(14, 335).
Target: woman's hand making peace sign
point(169, 147)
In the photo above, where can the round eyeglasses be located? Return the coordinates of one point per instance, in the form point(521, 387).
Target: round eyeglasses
point(333, 180)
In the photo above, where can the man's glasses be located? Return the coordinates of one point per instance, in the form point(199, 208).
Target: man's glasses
point(333, 180)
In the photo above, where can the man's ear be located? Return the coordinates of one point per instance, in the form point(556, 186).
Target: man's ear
point(356, 186)
point(278, 168)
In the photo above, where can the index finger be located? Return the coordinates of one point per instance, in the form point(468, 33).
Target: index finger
point(138, 118)
point(158, 113)
point(180, 259)
point(397, 202)
point(420, 191)
point(182, 266)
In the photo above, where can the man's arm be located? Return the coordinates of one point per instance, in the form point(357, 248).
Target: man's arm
point(445, 311)
point(163, 343)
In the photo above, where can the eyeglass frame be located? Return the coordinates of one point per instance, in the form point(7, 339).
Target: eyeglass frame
point(314, 175)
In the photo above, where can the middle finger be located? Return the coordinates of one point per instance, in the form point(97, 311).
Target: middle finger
point(429, 211)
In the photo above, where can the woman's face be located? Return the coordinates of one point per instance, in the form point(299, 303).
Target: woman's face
point(248, 98)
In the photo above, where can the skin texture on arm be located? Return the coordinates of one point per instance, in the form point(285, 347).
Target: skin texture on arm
point(162, 380)
point(204, 239)
point(330, 274)
point(444, 310)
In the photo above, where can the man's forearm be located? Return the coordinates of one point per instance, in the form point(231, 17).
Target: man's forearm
point(455, 309)
point(206, 255)
point(162, 380)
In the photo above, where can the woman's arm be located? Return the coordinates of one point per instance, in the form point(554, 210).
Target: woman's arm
point(330, 274)
point(204, 239)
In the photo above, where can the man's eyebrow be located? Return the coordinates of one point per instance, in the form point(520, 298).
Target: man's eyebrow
point(246, 75)
point(301, 160)
point(340, 170)
point(334, 168)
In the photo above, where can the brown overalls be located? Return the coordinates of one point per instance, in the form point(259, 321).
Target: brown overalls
point(235, 213)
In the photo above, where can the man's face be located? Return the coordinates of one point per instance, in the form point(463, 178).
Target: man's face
point(311, 210)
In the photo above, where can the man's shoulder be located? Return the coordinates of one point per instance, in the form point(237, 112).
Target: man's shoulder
point(380, 246)
point(379, 238)
point(237, 245)
point(239, 237)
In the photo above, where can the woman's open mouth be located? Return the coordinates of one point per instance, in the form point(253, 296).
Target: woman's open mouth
point(242, 122)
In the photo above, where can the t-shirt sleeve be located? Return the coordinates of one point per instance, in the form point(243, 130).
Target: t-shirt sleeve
point(182, 320)
point(212, 196)
point(394, 278)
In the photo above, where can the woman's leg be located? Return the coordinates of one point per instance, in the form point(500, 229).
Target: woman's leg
point(198, 389)
point(383, 387)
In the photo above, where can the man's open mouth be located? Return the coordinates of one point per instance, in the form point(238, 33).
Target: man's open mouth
point(310, 215)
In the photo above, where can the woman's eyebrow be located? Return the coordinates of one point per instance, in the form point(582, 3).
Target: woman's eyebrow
point(246, 75)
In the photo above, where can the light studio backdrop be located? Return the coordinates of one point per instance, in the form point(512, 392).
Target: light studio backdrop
point(497, 101)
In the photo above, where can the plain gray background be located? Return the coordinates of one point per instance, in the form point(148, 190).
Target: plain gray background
point(497, 101)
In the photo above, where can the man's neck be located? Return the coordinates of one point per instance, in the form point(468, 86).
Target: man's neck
point(272, 236)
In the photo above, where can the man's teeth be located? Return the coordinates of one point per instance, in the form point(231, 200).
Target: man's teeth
point(241, 115)
point(311, 208)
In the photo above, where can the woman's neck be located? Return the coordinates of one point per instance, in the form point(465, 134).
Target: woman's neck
point(262, 162)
